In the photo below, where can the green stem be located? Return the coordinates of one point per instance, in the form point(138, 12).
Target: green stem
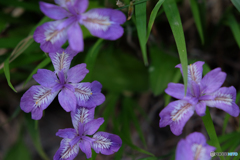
point(208, 123)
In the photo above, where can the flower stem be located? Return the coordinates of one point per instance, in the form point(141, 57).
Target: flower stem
point(208, 123)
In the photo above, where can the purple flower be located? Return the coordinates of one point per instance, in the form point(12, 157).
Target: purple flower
point(85, 124)
point(103, 23)
point(194, 147)
point(64, 81)
point(201, 92)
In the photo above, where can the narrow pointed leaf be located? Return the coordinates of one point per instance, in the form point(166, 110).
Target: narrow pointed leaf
point(141, 24)
point(197, 18)
point(34, 133)
point(129, 103)
point(173, 16)
point(208, 123)
point(7, 74)
point(91, 59)
point(111, 100)
point(234, 26)
point(236, 3)
point(153, 16)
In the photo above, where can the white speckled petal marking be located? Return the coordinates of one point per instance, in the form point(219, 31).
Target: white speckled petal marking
point(43, 96)
point(81, 115)
point(198, 152)
point(220, 98)
point(67, 150)
point(60, 61)
point(96, 21)
point(101, 142)
point(82, 92)
point(193, 73)
point(52, 34)
point(180, 110)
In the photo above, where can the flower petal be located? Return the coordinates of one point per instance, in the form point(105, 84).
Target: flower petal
point(82, 115)
point(224, 99)
point(81, 5)
point(46, 78)
point(67, 100)
point(106, 143)
point(86, 148)
point(49, 37)
point(199, 147)
point(77, 73)
point(200, 108)
point(66, 152)
point(89, 94)
point(37, 113)
point(196, 138)
point(175, 90)
point(53, 11)
point(69, 133)
point(104, 23)
point(37, 97)
point(75, 37)
point(212, 81)
point(176, 114)
point(61, 60)
point(184, 151)
point(194, 71)
point(92, 126)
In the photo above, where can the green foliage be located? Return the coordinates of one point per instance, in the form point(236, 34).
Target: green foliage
point(116, 76)
point(7, 74)
point(236, 3)
point(153, 17)
point(161, 70)
point(234, 26)
point(18, 151)
point(91, 59)
point(197, 18)
point(208, 123)
point(173, 16)
point(141, 24)
point(34, 133)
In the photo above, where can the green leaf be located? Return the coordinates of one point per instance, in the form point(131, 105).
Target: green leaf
point(111, 100)
point(236, 3)
point(208, 123)
point(118, 71)
point(227, 116)
point(9, 42)
point(234, 26)
point(91, 59)
point(128, 104)
point(161, 70)
point(197, 18)
point(7, 74)
point(45, 62)
point(31, 6)
point(18, 151)
point(34, 133)
point(141, 24)
point(153, 16)
point(173, 16)
point(234, 145)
